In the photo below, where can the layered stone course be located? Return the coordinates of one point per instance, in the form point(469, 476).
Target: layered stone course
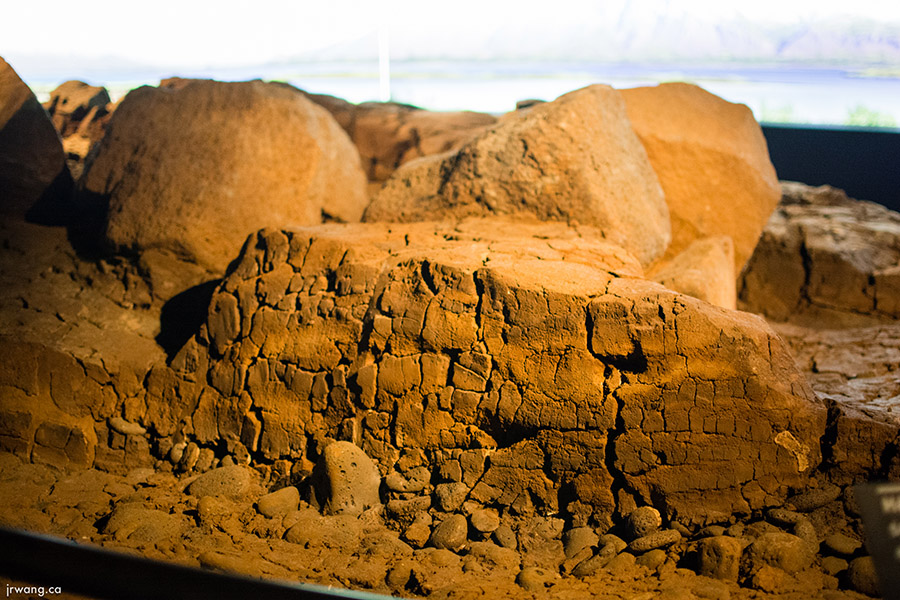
point(570, 393)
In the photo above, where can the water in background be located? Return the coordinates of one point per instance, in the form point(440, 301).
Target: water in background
point(775, 93)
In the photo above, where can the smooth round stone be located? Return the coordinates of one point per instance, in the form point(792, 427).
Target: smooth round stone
point(652, 559)
point(231, 482)
point(280, 502)
point(577, 539)
point(452, 534)
point(505, 537)
point(862, 577)
point(843, 545)
point(484, 520)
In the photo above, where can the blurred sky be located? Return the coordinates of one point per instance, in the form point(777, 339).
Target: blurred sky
point(188, 34)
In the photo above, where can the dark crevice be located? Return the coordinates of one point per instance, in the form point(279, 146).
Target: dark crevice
point(181, 317)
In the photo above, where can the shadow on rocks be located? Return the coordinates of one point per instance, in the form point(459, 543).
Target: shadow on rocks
point(182, 315)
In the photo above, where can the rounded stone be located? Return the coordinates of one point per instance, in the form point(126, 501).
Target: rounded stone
point(652, 559)
point(346, 480)
point(719, 557)
point(782, 550)
point(833, 565)
point(657, 539)
point(484, 520)
point(621, 563)
point(643, 521)
point(506, 537)
point(843, 545)
point(231, 482)
point(862, 577)
point(577, 539)
point(280, 502)
point(451, 534)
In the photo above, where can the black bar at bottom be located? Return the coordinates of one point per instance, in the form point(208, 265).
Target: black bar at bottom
point(107, 575)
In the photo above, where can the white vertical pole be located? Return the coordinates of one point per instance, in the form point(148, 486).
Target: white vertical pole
point(384, 64)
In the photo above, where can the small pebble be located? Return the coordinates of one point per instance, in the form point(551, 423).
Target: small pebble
point(452, 534)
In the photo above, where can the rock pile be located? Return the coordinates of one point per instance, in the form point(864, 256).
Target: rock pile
point(34, 179)
point(184, 175)
point(493, 384)
point(825, 258)
point(80, 112)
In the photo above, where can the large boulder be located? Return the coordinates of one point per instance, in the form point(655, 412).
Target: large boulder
point(34, 179)
point(190, 172)
point(712, 161)
point(72, 101)
point(535, 350)
point(825, 258)
point(574, 159)
point(388, 134)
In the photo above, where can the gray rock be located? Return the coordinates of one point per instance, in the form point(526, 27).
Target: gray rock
point(280, 502)
point(657, 539)
point(577, 539)
point(345, 480)
point(505, 537)
point(842, 545)
point(816, 498)
point(781, 550)
point(736, 530)
point(806, 531)
point(643, 521)
point(484, 520)
point(231, 482)
point(719, 557)
point(862, 577)
point(452, 534)
point(450, 496)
